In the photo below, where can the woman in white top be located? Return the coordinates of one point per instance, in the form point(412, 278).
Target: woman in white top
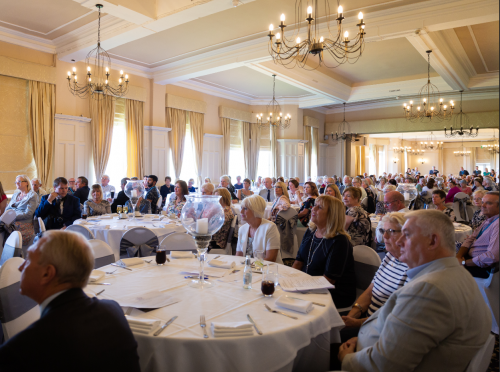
point(257, 234)
point(282, 201)
point(430, 187)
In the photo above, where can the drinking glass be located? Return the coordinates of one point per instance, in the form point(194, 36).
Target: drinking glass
point(269, 278)
point(107, 195)
point(125, 209)
point(259, 259)
point(134, 189)
point(161, 257)
point(119, 209)
point(84, 215)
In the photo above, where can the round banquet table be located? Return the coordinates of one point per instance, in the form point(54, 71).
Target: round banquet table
point(286, 344)
point(267, 214)
point(110, 229)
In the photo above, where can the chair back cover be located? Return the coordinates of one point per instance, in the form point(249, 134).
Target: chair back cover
point(481, 361)
point(366, 264)
point(41, 225)
point(17, 312)
point(286, 221)
point(8, 217)
point(159, 201)
point(12, 248)
point(139, 241)
point(84, 230)
point(103, 255)
point(461, 198)
point(178, 242)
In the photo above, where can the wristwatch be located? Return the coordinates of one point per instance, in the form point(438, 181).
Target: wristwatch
point(359, 307)
point(463, 262)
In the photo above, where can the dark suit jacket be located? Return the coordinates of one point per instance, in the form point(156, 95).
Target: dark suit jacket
point(83, 194)
point(121, 199)
point(74, 333)
point(50, 212)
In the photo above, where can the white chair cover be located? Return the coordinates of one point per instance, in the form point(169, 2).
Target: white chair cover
point(12, 248)
point(41, 225)
point(139, 241)
point(17, 312)
point(289, 246)
point(460, 205)
point(103, 254)
point(489, 288)
point(8, 217)
point(82, 230)
point(159, 201)
point(481, 361)
point(178, 242)
point(366, 264)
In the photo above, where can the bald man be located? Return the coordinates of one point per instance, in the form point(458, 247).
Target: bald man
point(394, 201)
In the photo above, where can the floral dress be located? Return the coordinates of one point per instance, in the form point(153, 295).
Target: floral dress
point(307, 204)
point(220, 237)
point(477, 219)
point(91, 208)
point(175, 209)
point(451, 214)
point(361, 227)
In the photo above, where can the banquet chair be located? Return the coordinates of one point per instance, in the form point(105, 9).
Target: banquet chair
point(138, 242)
point(178, 242)
point(103, 255)
point(13, 247)
point(41, 225)
point(229, 248)
point(481, 361)
point(17, 312)
point(84, 230)
point(301, 231)
point(288, 236)
point(6, 225)
point(489, 288)
point(158, 204)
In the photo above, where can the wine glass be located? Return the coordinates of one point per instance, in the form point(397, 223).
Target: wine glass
point(125, 209)
point(202, 216)
point(134, 190)
point(259, 254)
point(119, 209)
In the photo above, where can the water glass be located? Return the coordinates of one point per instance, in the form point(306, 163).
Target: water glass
point(259, 259)
point(161, 257)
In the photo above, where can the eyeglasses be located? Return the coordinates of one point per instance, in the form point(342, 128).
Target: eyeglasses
point(20, 182)
point(389, 203)
point(389, 231)
point(277, 187)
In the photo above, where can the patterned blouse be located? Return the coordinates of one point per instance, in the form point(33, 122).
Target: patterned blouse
point(307, 204)
point(380, 208)
point(280, 204)
point(296, 198)
point(221, 236)
point(450, 213)
point(242, 195)
point(175, 209)
point(144, 206)
point(477, 219)
point(361, 227)
point(90, 208)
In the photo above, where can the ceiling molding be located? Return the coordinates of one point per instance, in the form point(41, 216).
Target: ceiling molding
point(491, 79)
point(29, 41)
point(478, 49)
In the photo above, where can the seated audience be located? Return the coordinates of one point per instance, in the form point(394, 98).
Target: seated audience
point(257, 234)
point(464, 188)
point(438, 199)
point(71, 185)
point(478, 184)
point(56, 269)
point(380, 206)
point(478, 218)
point(220, 238)
point(332, 190)
point(430, 187)
point(356, 182)
point(225, 182)
point(177, 202)
point(310, 195)
point(326, 250)
point(370, 202)
point(357, 221)
point(295, 194)
point(191, 187)
point(121, 198)
point(59, 209)
point(238, 185)
point(245, 190)
point(152, 193)
point(82, 189)
point(454, 189)
point(143, 205)
point(24, 203)
point(3, 200)
point(36, 186)
point(394, 201)
point(486, 173)
point(166, 189)
point(207, 189)
point(282, 202)
point(106, 187)
point(267, 192)
point(489, 185)
point(96, 206)
point(207, 180)
point(436, 322)
point(479, 252)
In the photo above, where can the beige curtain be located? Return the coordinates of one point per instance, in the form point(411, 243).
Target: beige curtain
point(472, 160)
point(314, 152)
point(134, 119)
point(307, 152)
point(274, 155)
point(226, 139)
point(245, 144)
point(42, 108)
point(255, 134)
point(176, 119)
point(440, 161)
point(102, 113)
point(196, 121)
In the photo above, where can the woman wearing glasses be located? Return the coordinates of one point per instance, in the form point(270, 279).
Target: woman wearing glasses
point(477, 201)
point(282, 201)
point(390, 276)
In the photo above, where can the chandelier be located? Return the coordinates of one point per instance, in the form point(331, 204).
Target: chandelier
point(344, 132)
point(275, 115)
point(96, 82)
point(401, 150)
point(461, 120)
point(296, 52)
point(431, 106)
point(462, 152)
point(494, 149)
point(430, 144)
point(416, 152)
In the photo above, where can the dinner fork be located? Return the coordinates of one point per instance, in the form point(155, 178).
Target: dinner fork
point(111, 272)
point(279, 312)
point(203, 325)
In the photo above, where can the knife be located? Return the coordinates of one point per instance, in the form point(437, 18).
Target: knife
point(165, 326)
point(123, 267)
point(99, 283)
point(255, 325)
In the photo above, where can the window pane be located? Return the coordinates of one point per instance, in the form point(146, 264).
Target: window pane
point(117, 163)
point(264, 166)
point(188, 168)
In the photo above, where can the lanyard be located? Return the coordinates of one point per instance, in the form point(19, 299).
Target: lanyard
point(485, 228)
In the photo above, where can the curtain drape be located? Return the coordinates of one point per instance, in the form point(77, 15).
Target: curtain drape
point(196, 121)
point(314, 152)
point(226, 143)
point(102, 113)
point(274, 155)
point(42, 107)
point(176, 119)
point(372, 159)
point(245, 144)
point(440, 161)
point(307, 151)
point(472, 160)
point(378, 167)
point(255, 134)
point(134, 119)
point(357, 161)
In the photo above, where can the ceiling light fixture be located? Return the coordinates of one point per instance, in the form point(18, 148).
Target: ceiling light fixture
point(96, 82)
point(431, 106)
point(400, 150)
point(461, 120)
point(492, 148)
point(275, 114)
point(430, 145)
point(344, 132)
point(296, 52)
point(462, 152)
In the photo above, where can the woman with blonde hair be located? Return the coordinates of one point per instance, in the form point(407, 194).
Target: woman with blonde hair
point(220, 238)
point(332, 190)
point(326, 250)
point(3, 200)
point(96, 206)
point(282, 201)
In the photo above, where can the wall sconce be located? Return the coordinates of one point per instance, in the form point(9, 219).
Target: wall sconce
point(395, 160)
point(421, 161)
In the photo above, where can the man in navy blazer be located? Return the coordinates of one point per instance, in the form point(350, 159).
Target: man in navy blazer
point(74, 332)
point(59, 209)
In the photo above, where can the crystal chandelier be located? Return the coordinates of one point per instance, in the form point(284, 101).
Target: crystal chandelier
point(492, 148)
point(462, 152)
point(401, 150)
point(296, 52)
point(431, 106)
point(344, 132)
point(430, 144)
point(96, 82)
point(461, 120)
point(275, 117)
point(416, 152)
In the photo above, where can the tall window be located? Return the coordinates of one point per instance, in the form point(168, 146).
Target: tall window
point(236, 156)
point(264, 166)
point(117, 163)
point(188, 168)
point(382, 165)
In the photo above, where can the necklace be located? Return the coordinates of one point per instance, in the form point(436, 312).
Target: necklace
point(309, 258)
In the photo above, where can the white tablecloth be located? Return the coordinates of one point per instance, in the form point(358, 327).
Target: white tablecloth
point(287, 344)
point(267, 213)
point(118, 227)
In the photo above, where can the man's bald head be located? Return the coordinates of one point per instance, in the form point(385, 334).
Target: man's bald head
point(394, 201)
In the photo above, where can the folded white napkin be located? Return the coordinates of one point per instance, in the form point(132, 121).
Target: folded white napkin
point(131, 261)
point(181, 254)
point(222, 264)
point(232, 329)
point(96, 275)
point(143, 326)
point(296, 305)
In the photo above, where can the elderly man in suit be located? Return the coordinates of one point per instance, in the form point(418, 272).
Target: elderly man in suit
point(437, 322)
point(74, 332)
point(268, 192)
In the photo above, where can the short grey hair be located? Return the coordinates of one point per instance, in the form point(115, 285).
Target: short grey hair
point(495, 193)
point(225, 178)
point(489, 181)
point(70, 254)
point(36, 180)
point(480, 193)
point(208, 187)
point(435, 222)
point(389, 188)
point(395, 217)
point(105, 176)
point(256, 204)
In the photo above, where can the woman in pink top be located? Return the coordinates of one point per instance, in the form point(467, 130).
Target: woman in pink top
point(464, 188)
point(454, 189)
